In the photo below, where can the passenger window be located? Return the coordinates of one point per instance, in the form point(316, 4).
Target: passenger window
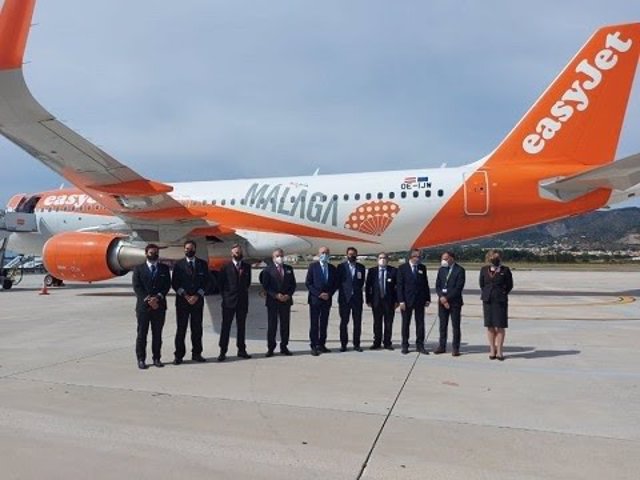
point(416, 193)
point(392, 195)
point(368, 196)
point(380, 195)
point(403, 194)
point(440, 193)
point(346, 197)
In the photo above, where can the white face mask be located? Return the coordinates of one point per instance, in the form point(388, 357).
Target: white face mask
point(324, 257)
point(444, 263)
point(278, 260)
point(382, 262)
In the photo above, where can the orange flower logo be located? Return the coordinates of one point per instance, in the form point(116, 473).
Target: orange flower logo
point(372, 217)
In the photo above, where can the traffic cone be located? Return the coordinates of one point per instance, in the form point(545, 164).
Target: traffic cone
point(45, 290)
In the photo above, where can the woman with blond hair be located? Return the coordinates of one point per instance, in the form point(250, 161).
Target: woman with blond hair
point(496, 282)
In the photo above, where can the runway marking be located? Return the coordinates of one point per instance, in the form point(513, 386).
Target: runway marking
point(395, 401)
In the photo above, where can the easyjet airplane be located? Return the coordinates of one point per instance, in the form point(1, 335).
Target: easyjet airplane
point(555, 163)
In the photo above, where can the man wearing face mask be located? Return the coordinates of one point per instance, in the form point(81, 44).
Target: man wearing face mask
point(380, 293)
point(151, 283)
point(191, 279)
point(449, 286)
point(235, 280)
point(351, 278)
point(321, 282)
point(279, 284)
point(413, 296)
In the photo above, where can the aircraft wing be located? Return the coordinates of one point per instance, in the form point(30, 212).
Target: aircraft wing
point(621, 175)
point(139, 201)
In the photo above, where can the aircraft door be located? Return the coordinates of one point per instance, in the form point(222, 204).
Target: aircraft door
point(476, 193)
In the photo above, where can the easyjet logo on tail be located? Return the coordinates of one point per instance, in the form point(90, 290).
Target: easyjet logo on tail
point(576, 97)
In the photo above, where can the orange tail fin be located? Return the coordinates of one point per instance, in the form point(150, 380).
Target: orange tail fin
point(15, 21)
point(579, 117)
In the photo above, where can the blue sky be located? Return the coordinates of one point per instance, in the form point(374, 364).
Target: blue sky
point(203, 89)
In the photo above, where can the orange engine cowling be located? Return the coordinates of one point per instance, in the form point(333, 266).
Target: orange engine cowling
point(89, 257)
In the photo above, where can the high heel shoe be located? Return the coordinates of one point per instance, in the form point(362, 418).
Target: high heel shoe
point(492, 357)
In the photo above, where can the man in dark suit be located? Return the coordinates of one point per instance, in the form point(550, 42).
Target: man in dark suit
point(414, 296)
point(449, 286)
point(351, 278)
point(279, 284)
point(191, 280)
point(380, 294)
point(321, 282)
point(151, 283)
point(235, 280)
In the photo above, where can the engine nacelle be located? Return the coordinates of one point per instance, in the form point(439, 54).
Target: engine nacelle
point(89, 257)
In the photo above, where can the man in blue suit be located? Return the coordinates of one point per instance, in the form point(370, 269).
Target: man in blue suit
point(351, 278)
point(322, 278)
point(449, 286)
point(414, 296)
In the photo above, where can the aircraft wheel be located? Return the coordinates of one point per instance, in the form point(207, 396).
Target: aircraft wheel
point(7, 284)
point(49, 279)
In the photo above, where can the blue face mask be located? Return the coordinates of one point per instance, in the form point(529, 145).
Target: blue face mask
point(324, 258)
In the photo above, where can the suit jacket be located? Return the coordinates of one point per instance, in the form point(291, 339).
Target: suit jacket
point(316, 283)
point(413, 290)
point(187, 282)
point(372, 290)
point(273, 283)
point(496, 287)
point(147, 286)
point(234, 284)
point(454, 284)
point(350, 287)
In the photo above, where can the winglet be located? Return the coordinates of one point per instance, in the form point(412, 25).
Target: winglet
point(15, 22)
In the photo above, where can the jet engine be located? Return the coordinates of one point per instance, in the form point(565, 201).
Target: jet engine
point(89, 257)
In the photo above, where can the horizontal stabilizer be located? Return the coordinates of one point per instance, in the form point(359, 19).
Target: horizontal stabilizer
point(621, 175)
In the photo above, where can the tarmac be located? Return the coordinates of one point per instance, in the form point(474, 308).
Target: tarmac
point(565, 403)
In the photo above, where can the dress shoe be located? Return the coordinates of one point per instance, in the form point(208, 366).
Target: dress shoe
point(422, 351)
point(500, 357)
point(324, 349)
point(455, 353)
point(177, 361)
point(142, 365)
point(243, 354)
point(439, 350)
point(405, 350)
point(492, 357)
point(285, 351)
point(198, 358)
point(314, 352)
point(158, 363)
point(343, 348)
point(222, 357)
point(269, 353)
point(389, 347)
point(375, 347)
point(358, 348)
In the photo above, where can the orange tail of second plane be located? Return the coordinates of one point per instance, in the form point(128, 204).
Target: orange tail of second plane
point(573, 127)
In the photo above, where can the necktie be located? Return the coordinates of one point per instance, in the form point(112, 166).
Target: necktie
point(190, 262)
point(153, 271)
point(280, 272)
point(324, 271)
point(382, 284)
point(414, 268)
